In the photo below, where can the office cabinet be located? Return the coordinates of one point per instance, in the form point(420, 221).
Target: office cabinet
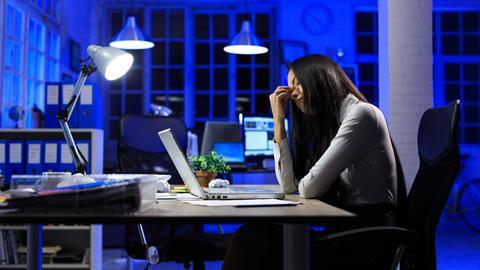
point(41, 150)
point(32, 151)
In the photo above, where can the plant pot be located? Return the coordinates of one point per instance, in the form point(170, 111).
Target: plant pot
point(204, 177)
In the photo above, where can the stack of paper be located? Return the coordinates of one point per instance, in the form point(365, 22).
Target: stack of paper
point(245, 203)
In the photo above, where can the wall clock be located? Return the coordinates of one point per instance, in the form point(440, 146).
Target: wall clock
point(317, 19)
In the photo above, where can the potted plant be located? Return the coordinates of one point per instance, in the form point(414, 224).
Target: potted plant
point(207, 166)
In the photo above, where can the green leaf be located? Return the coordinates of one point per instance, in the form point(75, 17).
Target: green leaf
point(211, 163)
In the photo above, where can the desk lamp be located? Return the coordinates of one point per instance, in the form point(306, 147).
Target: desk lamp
point(112, 63)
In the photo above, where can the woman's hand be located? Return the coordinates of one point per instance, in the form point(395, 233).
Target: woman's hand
point(278, 102)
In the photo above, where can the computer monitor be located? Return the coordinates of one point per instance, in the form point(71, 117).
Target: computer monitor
point(258, 135)
point(220, 132)
point(232, 152)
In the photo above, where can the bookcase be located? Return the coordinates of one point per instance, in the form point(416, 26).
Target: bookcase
point(73, 239)
point(83, 241)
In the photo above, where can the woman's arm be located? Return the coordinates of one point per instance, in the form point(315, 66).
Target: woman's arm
point(281, 153)
point(284, 167)
point(357, 134)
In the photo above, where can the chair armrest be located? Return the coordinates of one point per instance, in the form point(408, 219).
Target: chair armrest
point(401, 235)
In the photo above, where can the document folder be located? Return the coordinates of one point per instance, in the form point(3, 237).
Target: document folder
point(3, 158)
point(84, 146)
point(67, 92)
point(15, 164)
point(34, 157)
point(51, 154)
point(87, 102)
point(66, 161)
point(52, 105)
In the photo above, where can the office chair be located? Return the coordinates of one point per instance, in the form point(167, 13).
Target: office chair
point(220, 132)
point(414, 243)
point(141, 151)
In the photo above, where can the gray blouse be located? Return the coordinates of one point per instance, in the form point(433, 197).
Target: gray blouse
point(361, 153)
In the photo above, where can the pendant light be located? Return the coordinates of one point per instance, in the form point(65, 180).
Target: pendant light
point(131, 37)
point(245, 42)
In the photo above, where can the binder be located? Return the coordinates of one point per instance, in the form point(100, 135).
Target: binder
point(86, 105)
point(15, 164)
point(84, 147)
point(3, 159)
point(67, 92)
point(66, 161)
point(50, 158)
point(34, 157)
point(52, 105)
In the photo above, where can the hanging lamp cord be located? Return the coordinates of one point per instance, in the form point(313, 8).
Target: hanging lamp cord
point(245, 9)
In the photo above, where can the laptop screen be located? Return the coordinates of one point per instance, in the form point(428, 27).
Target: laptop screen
point(232, 152)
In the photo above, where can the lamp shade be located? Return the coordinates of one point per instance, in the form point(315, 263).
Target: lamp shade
point(131, 37)
point(245, 42)
point(112, 63)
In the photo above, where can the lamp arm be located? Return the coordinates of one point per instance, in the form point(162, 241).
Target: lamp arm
point(64, 115)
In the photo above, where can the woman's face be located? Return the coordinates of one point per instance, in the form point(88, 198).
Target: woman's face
point(297, 91)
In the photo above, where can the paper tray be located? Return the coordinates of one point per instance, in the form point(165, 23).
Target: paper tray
point(124, 197)
point(116, 192)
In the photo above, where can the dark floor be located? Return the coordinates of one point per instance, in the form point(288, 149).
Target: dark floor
point(457, 248)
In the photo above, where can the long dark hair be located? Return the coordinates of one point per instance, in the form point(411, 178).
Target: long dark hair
point(325, 86)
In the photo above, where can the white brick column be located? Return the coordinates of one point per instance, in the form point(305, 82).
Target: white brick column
point(405, 72)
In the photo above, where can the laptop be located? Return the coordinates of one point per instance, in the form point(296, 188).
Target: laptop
point(189, 178)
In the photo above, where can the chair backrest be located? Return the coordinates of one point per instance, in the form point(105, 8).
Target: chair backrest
point(439, 163)
point(220, 132)
point(140, 149)
point(140, 132)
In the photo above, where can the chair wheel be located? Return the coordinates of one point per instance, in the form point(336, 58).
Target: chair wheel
point(152, 255)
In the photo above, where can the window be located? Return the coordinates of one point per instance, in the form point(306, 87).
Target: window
point(366, 47)
point(457, 57)
point(254, 79)
point(187, 70)
point(31, 56)
point(211, 67)
point(47, 6)
point(13, 61)
point(215, 85)
point(168, 59)
point(35, 68)
point(126, 95)
point(53, 57)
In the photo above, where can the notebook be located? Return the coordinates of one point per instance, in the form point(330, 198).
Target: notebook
point(188, 177)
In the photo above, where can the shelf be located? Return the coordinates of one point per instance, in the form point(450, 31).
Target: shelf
point(53, 228)
point(48, 266)
point(63, 234)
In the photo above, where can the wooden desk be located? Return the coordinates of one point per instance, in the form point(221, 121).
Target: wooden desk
point(295, 219)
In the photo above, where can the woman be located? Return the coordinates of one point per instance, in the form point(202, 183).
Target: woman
point(342, 154)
